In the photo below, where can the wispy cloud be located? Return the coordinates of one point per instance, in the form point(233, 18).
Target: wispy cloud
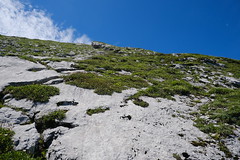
point(17, 19)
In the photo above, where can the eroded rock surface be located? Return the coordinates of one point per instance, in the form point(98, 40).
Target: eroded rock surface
point(12, 117)
point(151, 133)
point(124, 130)
point(16, 70)
point(26, 138)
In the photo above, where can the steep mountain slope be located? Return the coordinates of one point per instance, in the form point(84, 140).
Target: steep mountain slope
point(77, 101)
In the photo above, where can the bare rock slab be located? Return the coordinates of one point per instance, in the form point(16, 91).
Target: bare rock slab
point(13, 69)
point(26, 138)
point(9, 116)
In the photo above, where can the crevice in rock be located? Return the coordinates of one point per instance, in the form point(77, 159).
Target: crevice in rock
point(55, 81)
point(33, 82)
point(40, 127)
point(185, 155)
point(67, 103)
point(128, 117)
point(1, 98)
point(65, 69)
point(67, 124)
point(36, 69)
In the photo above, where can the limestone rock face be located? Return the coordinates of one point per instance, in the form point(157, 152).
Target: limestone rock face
point(12, 117)
point(50, 134)
point(151, 133)
point(16, 70)
point(191, 113)
point(26, 138)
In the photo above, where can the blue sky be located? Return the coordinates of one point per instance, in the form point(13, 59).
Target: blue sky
point(210, 27)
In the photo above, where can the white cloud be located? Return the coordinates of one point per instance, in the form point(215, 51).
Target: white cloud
point(17, 19)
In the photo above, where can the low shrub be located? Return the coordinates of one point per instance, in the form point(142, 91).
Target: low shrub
point(6, 143)
point(50, 120)
point(35, 92)
point(96, 110)
point(140, 102)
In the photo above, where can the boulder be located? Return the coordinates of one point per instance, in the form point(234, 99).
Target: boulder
point(26, 138)
point(50, 134)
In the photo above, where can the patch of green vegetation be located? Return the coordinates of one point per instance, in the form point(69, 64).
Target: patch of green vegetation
point(28, 58)
point(1, 105)
point(219, 130)
point(17, 155)
point(42, 147)
point(226, 106)
point(176, 156)
point(200, 142)
point(225, 111)
point(224, 149)
point(6, 143)
point(168, 88)
point(24, 48)
point(96, 110)
point(35, 92)
point(196, 101)
point(104, 85)
point(50, 121)
point(231, 66)
point(140, 102)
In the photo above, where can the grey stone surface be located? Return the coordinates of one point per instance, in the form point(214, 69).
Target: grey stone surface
point(61, 65)
point(26, 138)
point(12, 117)
point(50, 134)
point(125, 131)
point(13, 69)
point(151, 133)
point(21, 104)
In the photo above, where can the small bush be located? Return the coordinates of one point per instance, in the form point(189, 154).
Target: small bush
point(140, 102)
point(176, 156)
point(96, 110)
point(6, 143)
point(199, 143)
point(35, 92)
point(50, 120)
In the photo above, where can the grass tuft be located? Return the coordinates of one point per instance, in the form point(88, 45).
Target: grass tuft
point(140, 102)
point(96, 110)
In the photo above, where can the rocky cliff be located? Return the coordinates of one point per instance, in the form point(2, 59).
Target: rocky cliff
point(97, 102)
